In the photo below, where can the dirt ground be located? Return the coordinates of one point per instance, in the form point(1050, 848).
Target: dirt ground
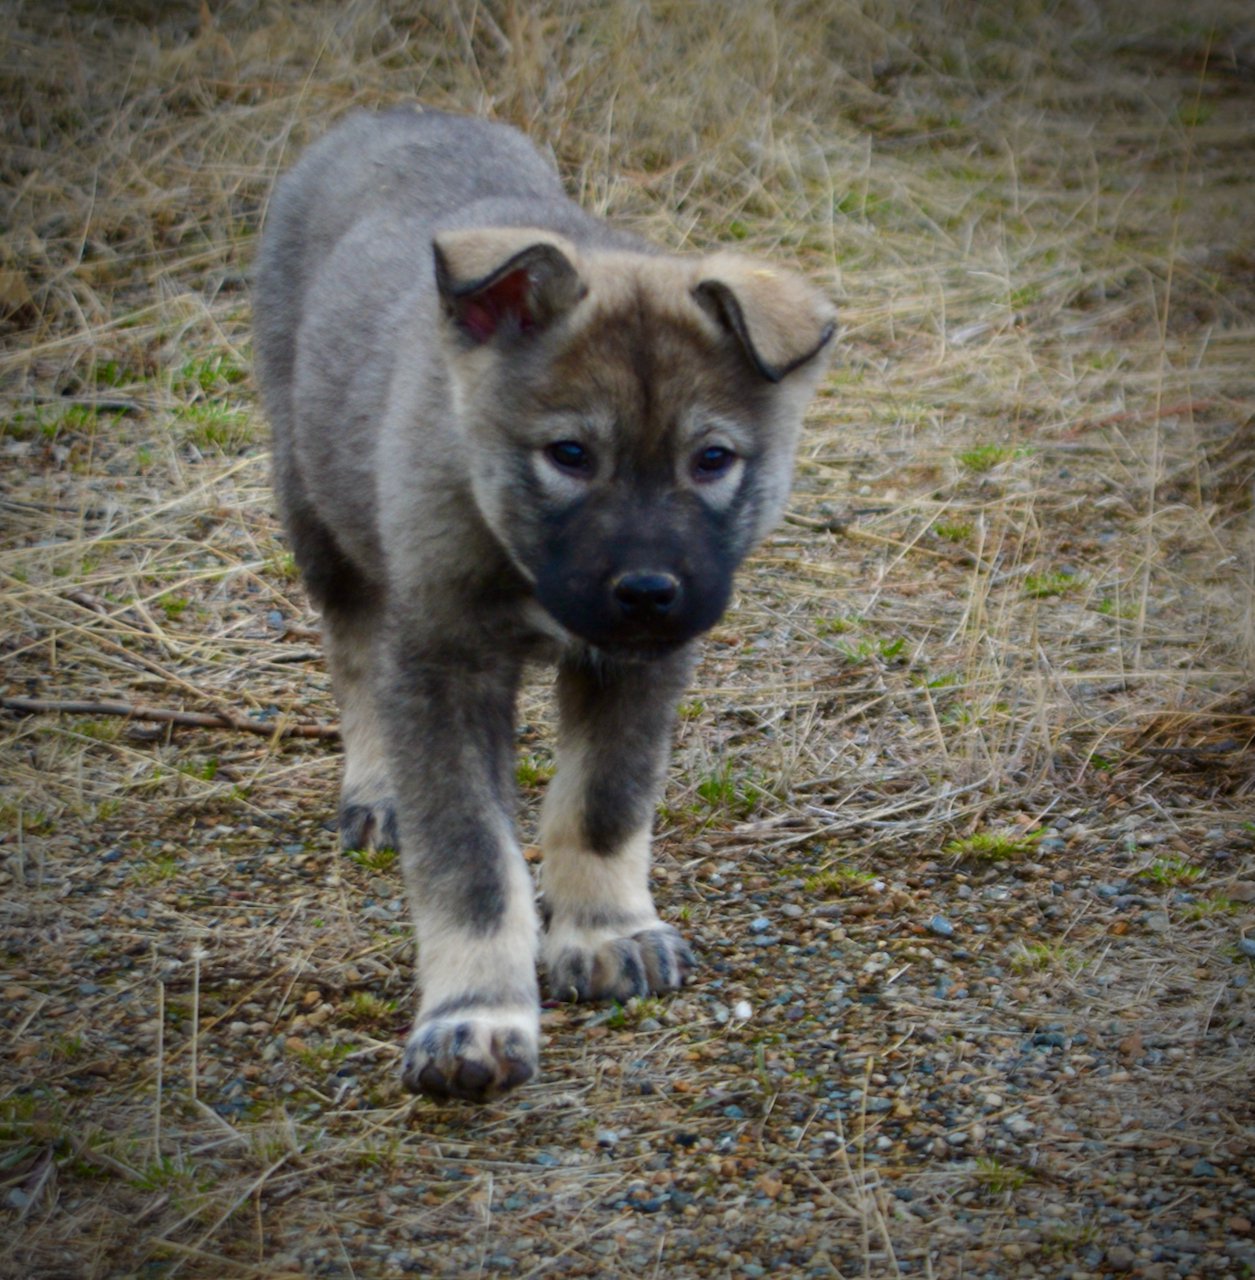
point(961, 819)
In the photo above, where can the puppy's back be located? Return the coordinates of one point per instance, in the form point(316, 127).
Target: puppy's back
point(405, 173)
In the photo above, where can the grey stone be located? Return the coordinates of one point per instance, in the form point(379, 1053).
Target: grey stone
point(941, 927)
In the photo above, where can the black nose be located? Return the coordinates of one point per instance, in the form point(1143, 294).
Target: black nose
point(646, 594)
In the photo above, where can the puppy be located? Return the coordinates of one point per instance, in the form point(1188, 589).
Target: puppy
point(505, 431)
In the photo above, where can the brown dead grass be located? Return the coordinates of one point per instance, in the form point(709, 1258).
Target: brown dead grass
point(1017, 585)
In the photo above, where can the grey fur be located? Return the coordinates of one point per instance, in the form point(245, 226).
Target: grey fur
point(505, 431)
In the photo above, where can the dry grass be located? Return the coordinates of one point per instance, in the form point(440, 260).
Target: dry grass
point(1016, 589)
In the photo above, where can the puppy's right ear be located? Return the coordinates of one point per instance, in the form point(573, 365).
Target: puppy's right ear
point(780, 321)
point(509, 280)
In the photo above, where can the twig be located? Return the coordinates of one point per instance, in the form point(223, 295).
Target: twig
point(169, 715)
point(1156, 414)
point(35, 1184)
point(161, 1059)
point(833, 524)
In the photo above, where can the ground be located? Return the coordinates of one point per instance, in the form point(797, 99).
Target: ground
point(961, 820)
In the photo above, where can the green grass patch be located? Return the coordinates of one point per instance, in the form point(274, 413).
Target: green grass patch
point(70, 1046)
point(166, 1174)
point(174, 607)
point(1040, 586)
point(102, 730)
point(203, 771)
point(214, 428)
point(837, 626)
point(1111, 609)
point(838, 881)
point(321, 1057)
point(209, 375)
point(156, 870)
point(31, 822)
point(112, 373)
point(1041, 957)
point(730, 792)
point(365, 1009)
point(1208, 908)
point(983, 458)
point(1065, 1240)
point(619, 1017)
point(283, 566)
point(1173, 871)
point(379, 859)
point(997, 1179)
point(532, 771)
point(957, 531)
point(872, 650)
point(994, 846)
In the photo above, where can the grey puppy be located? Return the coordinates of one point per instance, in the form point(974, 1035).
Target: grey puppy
point(504, 431)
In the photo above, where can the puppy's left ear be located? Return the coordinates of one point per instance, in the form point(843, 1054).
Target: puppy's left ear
point(780, 320)
point(511, 279)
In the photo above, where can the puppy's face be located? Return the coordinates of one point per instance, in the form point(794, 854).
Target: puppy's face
point(625, 446)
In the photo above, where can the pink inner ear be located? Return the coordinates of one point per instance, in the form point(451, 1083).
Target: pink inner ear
point(482, 314)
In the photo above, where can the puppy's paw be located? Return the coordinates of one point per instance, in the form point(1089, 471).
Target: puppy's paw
point(476, 1054)
point(367, 824)
point(584, 964)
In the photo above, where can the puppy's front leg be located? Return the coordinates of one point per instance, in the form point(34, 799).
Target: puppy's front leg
point(449, 718)
point(603, 937)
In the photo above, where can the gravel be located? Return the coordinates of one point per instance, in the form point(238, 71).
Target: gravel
point(1020, 1113)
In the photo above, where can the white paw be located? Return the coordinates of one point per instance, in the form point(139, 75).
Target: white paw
point(474, 1053)
point(368, 824)
point(602, 964)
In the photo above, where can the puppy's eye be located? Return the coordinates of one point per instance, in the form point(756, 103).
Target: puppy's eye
point(712, 462)
point(570, 456)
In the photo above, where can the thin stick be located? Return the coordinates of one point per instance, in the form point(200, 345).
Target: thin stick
point(161, 1037)
point(169, 715)
point(194, 1065)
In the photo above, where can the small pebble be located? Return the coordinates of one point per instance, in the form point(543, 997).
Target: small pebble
point(742, 1010)
point(1247, 947)
point(1121, 1258)
point(760, 924)
point(941, 927)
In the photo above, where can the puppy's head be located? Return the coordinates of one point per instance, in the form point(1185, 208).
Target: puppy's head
point(630, 419)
